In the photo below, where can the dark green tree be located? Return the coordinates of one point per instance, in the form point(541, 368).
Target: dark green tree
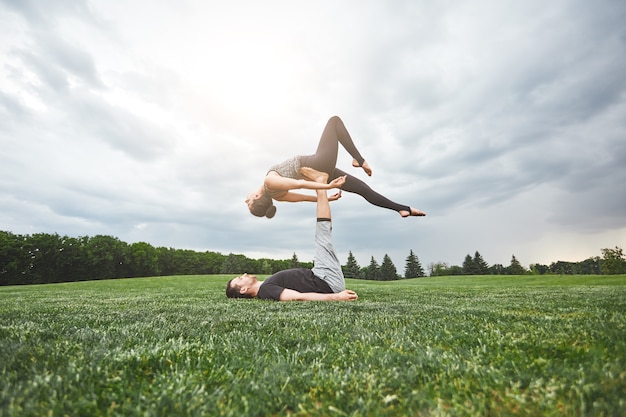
point(107, 257)
point(144, 261)
point(372, 271)
point(590, 266)
point(413, 268)
point(265, 267)
point(455, 270)
point(388, 270)
point(468, 265)
point(170, 261)
point(294, 261)
point(352, 268)
point(438, 269)
point(196, 263)
point(45, 258)
point(516, 267)
point(71, 262)
point(234, 264)
point(613, 261)
point(441, 269)
point(14, 260)
point(279, 265)
point(562, 268)
point(539, 269)
point(497, 269)
point(480, 265)
point(213, 262)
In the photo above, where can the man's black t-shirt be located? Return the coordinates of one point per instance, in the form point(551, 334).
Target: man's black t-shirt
point(298, 279)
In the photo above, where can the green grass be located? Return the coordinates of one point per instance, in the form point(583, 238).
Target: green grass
point(488, 346)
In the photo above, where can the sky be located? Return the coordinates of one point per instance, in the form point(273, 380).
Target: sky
point(505, 121)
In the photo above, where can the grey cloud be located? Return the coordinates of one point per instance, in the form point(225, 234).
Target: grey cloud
point(28, 9)
point(55, 61)
point(517, 145)
point(130, 134)
point(11, 108)
point(53, 78)
point(45, 13)
point(68, 58)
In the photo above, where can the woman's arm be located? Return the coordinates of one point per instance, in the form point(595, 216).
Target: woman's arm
point(292, 197)
point(277, 183)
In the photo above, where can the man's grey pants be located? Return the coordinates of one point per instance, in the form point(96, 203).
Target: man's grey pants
point(326, 265)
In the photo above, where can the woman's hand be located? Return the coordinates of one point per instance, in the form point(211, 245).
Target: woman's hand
point(335, 196)
point(337, 182)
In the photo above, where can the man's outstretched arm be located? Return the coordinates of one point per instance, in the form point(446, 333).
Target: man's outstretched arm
point(292, 295)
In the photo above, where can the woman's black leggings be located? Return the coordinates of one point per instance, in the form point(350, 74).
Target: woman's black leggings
point(325, 158)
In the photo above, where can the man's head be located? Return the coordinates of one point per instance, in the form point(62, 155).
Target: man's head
point(241, 286)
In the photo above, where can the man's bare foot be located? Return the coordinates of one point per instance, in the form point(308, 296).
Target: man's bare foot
point(365, 166)
point(314, 175)
point(412, 212)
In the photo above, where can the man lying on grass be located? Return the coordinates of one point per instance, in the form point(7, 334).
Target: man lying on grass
point(325, 282)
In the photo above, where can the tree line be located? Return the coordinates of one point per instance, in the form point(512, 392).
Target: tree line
point(45, 258)
point(386, 271)
point(612, 262)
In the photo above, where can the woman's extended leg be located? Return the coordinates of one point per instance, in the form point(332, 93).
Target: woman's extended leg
point(355, 185)
point(325, 157)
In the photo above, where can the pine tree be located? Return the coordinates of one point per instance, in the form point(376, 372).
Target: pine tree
point(294, 261)
point(352, 268)
point(413, 267)
point(497, 269)
point(388, 270)
point(516, 267)
point(372, 270)
point(480, 266)
point(468, 265)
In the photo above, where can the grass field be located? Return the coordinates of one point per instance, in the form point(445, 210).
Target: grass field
point(170, 346)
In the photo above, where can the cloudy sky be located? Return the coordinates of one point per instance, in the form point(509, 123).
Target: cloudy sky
point(151, 120)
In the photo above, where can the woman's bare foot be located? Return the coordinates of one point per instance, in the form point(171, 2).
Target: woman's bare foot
point(314, 175)
point(365, 166)
point(412, 212)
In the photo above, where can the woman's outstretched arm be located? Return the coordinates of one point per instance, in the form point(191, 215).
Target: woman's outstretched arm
point(277, 183)
point(292, 197)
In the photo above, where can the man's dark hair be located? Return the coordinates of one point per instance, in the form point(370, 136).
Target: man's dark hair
point(233, 291)
point(263, 207)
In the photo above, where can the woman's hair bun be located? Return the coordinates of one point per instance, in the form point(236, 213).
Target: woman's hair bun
point(270, 212)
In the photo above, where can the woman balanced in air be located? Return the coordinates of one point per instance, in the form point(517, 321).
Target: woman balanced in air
point(292, 175)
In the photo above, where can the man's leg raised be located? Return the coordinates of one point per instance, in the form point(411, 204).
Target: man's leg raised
point(326, 263)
